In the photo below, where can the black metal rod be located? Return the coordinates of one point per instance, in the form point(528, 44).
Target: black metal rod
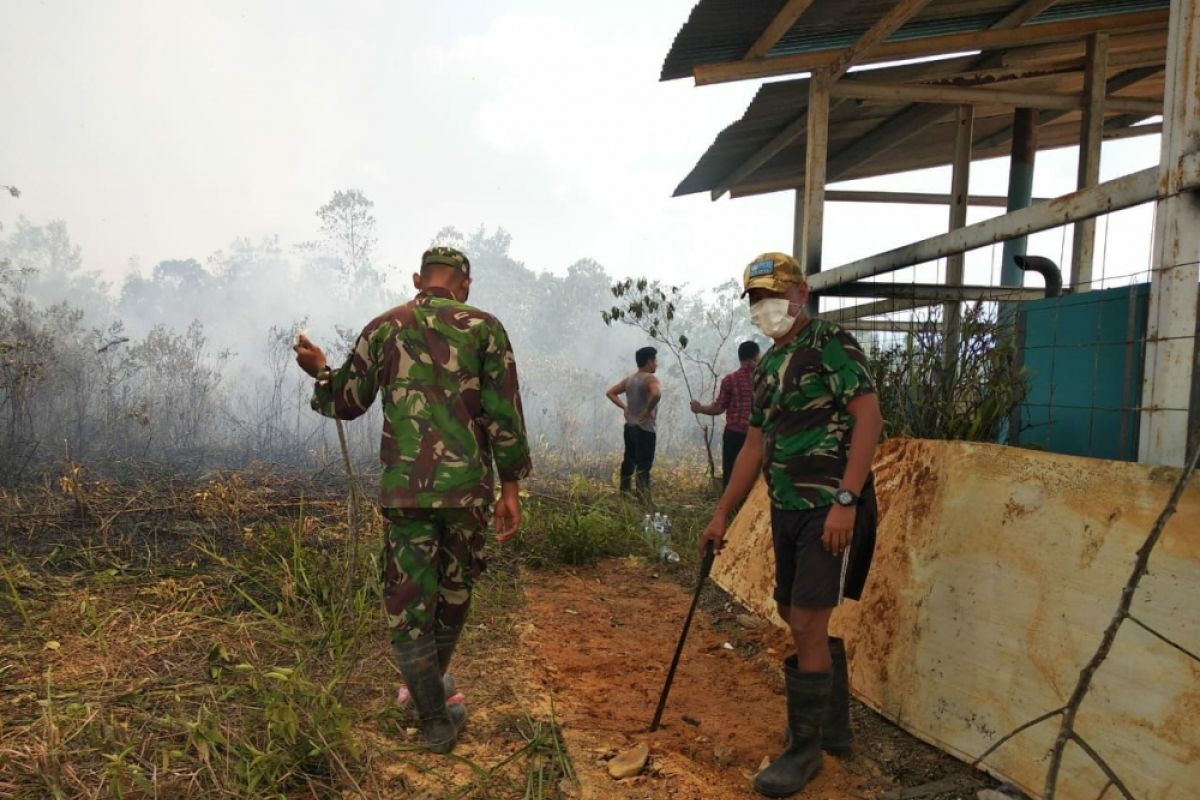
point(705, 568)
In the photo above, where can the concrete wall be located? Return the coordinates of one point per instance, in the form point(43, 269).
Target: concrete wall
point(997, 570)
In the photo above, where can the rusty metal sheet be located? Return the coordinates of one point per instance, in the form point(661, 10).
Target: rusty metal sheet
point(996, 572)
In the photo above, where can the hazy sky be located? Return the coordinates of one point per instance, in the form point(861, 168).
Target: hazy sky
point(166, 129)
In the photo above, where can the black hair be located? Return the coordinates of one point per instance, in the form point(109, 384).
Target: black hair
point(644, 356)
point(747, 351)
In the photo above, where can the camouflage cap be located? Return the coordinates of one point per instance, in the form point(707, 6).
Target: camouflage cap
point(447, 256)
point(773, 272)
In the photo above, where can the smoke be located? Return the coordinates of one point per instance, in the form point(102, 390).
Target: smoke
point(189, 364)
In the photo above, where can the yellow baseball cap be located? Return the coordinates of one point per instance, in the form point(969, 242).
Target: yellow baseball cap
point(773, 272)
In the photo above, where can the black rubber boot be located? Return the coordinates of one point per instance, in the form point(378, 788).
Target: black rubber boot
point(807, 696)
point(836, 738)
point(447, 641)
point(418, 662)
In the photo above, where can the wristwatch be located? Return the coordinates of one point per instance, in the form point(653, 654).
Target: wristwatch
point(323, 376)
point(845, 497)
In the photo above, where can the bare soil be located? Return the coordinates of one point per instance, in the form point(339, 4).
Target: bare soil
point(601, 640)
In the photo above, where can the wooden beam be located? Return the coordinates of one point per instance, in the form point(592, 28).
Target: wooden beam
point(814, 171)
point(913, 198)
point(1169, 362)
point(889, 325)
point(780, 25)
point(956, 95)
point(1091, 136)
point(765, 186)
point(992, 39)
point(1130, 190)
point(776, 145)
point(1022, 14)
point(934, 293)
point(872, 309)
point(884, 27)
point(1114, 84)
point(960, 180)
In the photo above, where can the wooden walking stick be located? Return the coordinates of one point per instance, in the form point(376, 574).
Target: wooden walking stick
point(705, 568)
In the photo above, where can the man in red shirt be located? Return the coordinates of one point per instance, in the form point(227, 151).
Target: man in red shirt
point(733, 400)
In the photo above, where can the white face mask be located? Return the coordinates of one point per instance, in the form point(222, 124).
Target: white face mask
point(771, 316)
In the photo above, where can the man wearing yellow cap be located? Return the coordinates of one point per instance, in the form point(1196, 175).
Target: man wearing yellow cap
point(814, 425)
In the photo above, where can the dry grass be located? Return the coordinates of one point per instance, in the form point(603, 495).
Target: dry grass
point(200, 641)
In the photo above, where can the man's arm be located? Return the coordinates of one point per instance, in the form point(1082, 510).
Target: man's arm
point(718, 406)
point(864, 437)
point(617, 389)
point(347, 392)
point(745, 473)
point(500, 394)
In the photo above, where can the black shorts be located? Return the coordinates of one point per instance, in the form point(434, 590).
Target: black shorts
point(809, 576)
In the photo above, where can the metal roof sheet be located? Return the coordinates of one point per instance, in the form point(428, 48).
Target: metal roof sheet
point(720, 31)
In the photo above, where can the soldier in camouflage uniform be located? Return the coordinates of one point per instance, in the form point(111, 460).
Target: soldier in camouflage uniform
point(451, 406)
point(814, 425)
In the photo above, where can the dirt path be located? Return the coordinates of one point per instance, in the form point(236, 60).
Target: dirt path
point(604, 638)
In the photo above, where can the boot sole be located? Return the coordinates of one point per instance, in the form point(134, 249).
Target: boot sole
point(789, 792)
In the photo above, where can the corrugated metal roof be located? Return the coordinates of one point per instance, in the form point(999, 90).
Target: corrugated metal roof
point(777, 104)
point(720, 31)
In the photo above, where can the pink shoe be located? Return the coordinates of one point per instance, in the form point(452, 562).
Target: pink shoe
point(453, 696)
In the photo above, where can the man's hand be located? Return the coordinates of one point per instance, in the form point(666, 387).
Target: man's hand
point(696, 406)
point(714, 533)
point(310, 357)
point(839, 528)
point(508, 512)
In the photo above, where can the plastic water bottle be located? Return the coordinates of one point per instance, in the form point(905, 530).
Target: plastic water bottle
point(665, 552)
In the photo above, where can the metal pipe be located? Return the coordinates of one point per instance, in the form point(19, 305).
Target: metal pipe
point(1044, 267)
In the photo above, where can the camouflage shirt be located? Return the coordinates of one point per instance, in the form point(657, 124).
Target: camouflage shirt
point(801, 391)
point(451, 402)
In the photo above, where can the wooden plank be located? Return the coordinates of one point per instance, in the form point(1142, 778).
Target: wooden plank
point(913, 198)
point(814, 172)
point(1130, 190)
point(780, 25)
point(1091, 137)
point(1114, 84)
point(960, 180)
point(776, 145)
point(974, 619)
point(1171, 321)
point(933, 293)
point(992, 39)
point(884, 27)
point(1048, 137)
point(864, 310)
point(954, 95)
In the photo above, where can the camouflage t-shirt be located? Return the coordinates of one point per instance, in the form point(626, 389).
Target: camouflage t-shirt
point(801, 391)
point(451, 402)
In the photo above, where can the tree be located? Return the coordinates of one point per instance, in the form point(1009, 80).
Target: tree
point(348, 228)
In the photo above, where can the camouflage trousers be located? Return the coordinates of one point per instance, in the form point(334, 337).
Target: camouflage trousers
point(431, 560)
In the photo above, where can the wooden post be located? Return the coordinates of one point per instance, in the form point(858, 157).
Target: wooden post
point(798, 227)
point(1091, 135)
point(814, 177)
point(1171, 320)
point(959, 197)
